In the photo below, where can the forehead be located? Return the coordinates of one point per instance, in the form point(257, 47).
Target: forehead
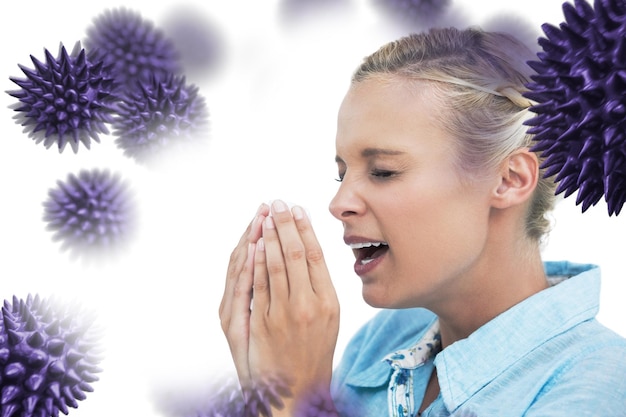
point(391, 112)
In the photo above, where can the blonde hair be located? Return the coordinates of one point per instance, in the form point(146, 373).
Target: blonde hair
point(478, 78)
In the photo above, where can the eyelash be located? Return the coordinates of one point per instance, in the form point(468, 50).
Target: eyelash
point(382, 174)
point(378, 173)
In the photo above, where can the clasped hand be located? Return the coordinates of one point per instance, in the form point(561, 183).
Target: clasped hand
point(280, 312)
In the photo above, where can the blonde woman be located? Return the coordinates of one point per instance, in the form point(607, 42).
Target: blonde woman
point(444, 206)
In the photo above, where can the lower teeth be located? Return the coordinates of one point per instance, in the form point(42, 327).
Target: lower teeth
point(366, 261)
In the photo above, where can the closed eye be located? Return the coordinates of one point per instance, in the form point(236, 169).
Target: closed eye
point(380, 173)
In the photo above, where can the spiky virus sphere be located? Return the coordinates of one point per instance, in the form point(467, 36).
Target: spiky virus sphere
point(67, 99)
point(158, 115)
point(136, 48)
point(229, 399)
point(413, 12)
point(580, 90)
point(48, 357)
point(90, 211)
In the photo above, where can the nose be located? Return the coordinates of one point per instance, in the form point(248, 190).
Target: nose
point(347, 202)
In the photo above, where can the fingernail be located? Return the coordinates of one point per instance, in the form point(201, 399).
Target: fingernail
point(269, 223)
point(298, 213)
point(279, 206)
point(260, 209)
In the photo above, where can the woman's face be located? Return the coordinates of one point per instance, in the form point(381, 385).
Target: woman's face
point(415, 227)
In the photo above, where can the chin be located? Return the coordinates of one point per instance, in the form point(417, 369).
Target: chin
point(374, 298)
point(379, 299)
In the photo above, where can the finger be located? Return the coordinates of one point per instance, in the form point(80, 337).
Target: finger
point(293, 250)
point(318, 270)
point(237, 260)
point(239, 329)
point(238, 256)
point(260, 287)
point(275, 264)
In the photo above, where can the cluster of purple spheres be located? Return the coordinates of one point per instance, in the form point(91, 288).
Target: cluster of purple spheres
point(128, 79)
point(48, 357)
point(129, 64)
point(580, 122)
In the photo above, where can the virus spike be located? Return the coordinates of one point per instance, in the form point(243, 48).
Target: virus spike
point(9, 393)
point(9, 410)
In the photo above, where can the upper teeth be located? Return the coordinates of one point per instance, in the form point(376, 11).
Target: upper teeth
point(366, 245)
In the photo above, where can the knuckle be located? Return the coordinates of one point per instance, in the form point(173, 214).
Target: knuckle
point(234, 256)
point(276, 268)
point(240, 290)
point(305, 315)
point(261, 286)
point(295, 253)
point(246, 268)
point(315, 256)
point(233, 266)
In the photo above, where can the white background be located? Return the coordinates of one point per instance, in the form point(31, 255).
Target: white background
point(272, 100)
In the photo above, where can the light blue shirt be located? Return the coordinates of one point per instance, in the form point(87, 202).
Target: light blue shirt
point(546, 357)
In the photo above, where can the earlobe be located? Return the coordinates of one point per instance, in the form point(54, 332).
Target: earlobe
point(518, 179)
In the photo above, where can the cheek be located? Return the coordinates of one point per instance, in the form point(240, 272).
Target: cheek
point(440, 240)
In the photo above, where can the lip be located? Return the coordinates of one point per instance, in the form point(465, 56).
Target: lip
point(351, 240)
point(364, 269)
point(359, 268)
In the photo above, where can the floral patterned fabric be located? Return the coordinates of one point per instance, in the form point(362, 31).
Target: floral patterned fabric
point(403, 362)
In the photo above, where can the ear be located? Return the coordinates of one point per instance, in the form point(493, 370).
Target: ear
point(518, 179)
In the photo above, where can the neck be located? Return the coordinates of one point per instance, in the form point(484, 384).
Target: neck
point(494, 285)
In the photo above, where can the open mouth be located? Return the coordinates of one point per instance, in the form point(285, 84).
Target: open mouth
point(366, 252)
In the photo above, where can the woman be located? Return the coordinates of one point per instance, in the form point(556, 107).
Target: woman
point(444, 206)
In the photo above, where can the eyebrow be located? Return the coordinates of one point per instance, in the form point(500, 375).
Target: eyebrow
point(369, 152)
point(373, 152)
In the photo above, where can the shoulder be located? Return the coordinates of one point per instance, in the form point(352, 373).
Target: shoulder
point(591, 378)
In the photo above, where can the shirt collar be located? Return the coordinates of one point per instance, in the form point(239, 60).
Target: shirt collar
point(425, 349)
point(468, 365)
point(378, 372)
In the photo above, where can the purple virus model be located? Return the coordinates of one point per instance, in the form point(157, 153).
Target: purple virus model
point(198, 40)
point(580, 95)
point(228, 399)
point(66, 99)
point(91, 211)
point(137, 50)
point(158, 115)
point(413, 12)
point(48, 357)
